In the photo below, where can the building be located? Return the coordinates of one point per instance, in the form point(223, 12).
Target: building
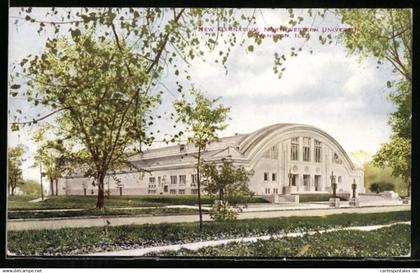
point(298, 155)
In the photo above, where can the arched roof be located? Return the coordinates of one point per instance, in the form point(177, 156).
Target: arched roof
point(252, 144)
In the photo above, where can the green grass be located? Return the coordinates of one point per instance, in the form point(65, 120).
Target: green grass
point(27, 214)
point(89, 202)
point(386, 242)
point(303, 198)
point(72, 241)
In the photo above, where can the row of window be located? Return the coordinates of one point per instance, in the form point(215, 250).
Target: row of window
point(306, 156)
point(268, 191)
point(273, 177)
point(173, 191)
point(181, 180)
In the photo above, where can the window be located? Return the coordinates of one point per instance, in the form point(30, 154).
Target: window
point(272, 153)
point(151, 191)
point(182, 179)
point(172, 191)
point(152, 179)
point(181, 191)
point(294, 149)
point(267, 191)
point(173, 179)
point(182, 148)
point(159, 180)
point(276, 190)
point(194, 191)
point(306, 149)
point(339, 179)
point(265, 177)
point(273, 177)
point(317, 151)
point(193, 180)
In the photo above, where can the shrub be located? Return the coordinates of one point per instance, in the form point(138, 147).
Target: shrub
point(381, 187)
point(223, 211)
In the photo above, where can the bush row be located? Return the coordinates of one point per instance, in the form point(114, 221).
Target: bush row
point(86, 240)
point(26, 214)
point(391, 241)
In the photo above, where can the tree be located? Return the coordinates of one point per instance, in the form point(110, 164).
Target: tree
point(14, 164)
point(203, 119)
point(99, 79)
point(31, 188)
point(52, 159)
point(226, 183)
point(397, 155)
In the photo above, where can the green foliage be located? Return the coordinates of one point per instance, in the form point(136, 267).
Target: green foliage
point(14, 168)
point(377, 175)
point(303, 198)
point(226, 182)
point(72, 241)
point(397, 155)
point(381, 187)
point(223, 211)
point(391, 241)
point(30, 188)
point(203, 118)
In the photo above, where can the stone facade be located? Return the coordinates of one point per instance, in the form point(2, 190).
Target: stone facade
point(304, 153)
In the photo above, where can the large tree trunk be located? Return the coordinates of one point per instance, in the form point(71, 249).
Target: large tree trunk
point(56, 187)
point(100, 201)
point(199, 189)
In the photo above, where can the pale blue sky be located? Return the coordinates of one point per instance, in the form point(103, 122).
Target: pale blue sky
point(327, 89)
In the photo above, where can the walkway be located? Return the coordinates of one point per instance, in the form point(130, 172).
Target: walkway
point(197, 245)
point(80, 222)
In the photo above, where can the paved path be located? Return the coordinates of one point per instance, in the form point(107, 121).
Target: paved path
point(197, 245)
point(30, 224)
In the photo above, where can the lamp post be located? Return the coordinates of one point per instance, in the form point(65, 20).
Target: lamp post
point(333, 184)
point(290, 177)
point(354, 187)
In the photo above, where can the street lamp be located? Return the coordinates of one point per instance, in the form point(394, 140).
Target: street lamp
point(354, 187)
point(290, 177)
point(333, 184)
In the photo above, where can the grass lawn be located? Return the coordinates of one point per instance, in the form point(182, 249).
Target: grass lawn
point(385, 242)
point(89, 202)
point(72, 241)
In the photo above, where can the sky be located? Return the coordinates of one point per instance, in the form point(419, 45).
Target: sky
point(328, 89)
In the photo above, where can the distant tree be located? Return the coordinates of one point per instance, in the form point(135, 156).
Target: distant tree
point(30, 187)
point(14, 164)
point(381, 187)
point(226, 183)
point(397, 155)
point(203, 119)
